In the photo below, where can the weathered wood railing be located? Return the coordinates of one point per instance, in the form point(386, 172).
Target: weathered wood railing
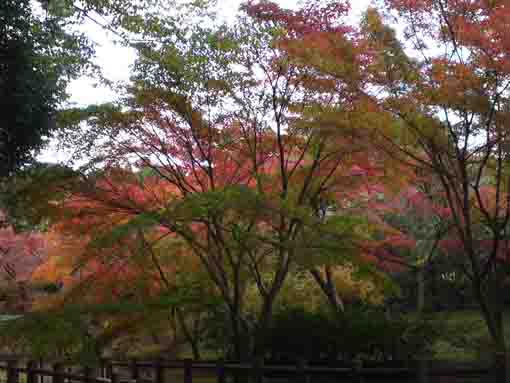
point(109, 371)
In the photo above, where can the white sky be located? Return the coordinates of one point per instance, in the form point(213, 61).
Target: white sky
point(115, 61)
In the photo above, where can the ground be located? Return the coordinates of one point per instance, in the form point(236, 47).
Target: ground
point(465, 337)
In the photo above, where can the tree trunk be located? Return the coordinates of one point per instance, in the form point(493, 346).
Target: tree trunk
point(328, 287)
point(193, 342)
point(492, 312)
point(263, 326)
point(420, 291)
point(499, 340)
point(237, 341)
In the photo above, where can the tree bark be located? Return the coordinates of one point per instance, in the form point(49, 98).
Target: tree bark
point(328, 287)
point(188, 335)
point(420, 282)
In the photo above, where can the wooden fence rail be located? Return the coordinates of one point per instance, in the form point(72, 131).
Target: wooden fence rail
point(109, 371)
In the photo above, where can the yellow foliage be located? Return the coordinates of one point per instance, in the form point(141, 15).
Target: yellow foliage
point(351, 288)
point(301, 289)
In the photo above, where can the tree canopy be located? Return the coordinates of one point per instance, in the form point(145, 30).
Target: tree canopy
point(245, 163)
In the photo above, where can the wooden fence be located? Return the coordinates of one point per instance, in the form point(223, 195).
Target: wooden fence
point(108, 371)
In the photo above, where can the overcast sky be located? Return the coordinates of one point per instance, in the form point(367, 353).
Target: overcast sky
point(116, 60)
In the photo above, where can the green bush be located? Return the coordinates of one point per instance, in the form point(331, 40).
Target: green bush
point(299, 334)
point(360, 332)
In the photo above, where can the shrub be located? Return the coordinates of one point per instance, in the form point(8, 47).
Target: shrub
point(361, 332)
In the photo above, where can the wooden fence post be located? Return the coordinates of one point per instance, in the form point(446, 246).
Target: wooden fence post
point(109, 369)
point(422, 371)
point(102, 368)
point(12, 373)
point(41, 367)
point(220, 371)
point(302, 376)
point(87, 374)
point(258, 370)
point(159, 371)
point(57, 377)
point(188, 371)
point(31, 375)
point(356, 369)
point(135, 373)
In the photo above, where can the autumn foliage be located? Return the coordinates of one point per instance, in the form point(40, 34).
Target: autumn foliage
point(291, 158)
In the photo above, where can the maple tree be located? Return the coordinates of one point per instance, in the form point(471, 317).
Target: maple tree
point(452, 106)
point(219, 152)
point(437, 99)
point(20, 255)
point(416, 226)
point(242, 157)
point(334, 104)
point(114, 295)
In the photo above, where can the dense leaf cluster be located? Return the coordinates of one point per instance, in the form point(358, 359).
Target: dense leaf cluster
point(38, 57)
